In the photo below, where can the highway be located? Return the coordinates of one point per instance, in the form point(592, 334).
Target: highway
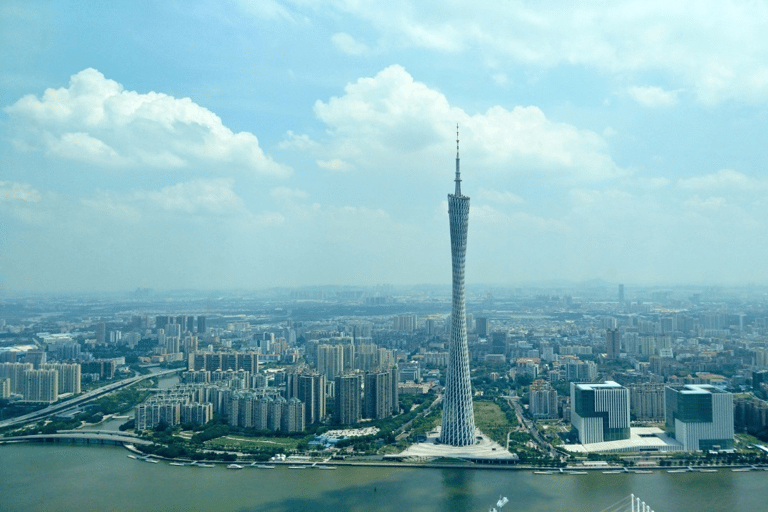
point(77, 401)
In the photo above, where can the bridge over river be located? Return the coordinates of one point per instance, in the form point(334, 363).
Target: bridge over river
point(81, 436)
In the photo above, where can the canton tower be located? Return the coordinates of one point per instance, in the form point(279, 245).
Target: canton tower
point(458, 428)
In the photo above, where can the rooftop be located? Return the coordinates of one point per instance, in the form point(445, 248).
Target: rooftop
point(641, 439)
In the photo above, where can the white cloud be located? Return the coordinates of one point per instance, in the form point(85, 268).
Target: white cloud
point(485, 214)
point(722, 179)
point(334, 164)
point(498, 196)
point(267, 9)
point(202, 198)
point(716, 60)
point(345, 43)
point(288, 193)
point(81, 147)
point(198, 196)
point(710, 203)
point(652, 183)
point(653, 96)
point(96, 120)
point(11, 191)
point(301, 142)
point(390, 121)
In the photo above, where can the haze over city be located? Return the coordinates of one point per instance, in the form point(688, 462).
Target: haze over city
point(240, 144)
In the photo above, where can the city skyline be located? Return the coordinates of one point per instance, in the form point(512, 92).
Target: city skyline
point(286, 144)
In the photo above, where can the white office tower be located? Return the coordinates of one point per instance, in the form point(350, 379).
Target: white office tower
point(458, 428)
point(700, 417)
point(600, 412)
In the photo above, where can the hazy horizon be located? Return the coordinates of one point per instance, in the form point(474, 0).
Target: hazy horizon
point(256, 145)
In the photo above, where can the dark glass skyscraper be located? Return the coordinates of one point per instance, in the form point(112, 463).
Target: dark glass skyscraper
point(458, 428)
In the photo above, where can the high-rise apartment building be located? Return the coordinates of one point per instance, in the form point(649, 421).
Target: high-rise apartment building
point(69, 376)
point(543, 400)
point(330, 360)
point(380, 395)
point(5, 387)
point(310, 389)
point(613, 343)
point(481, 326)
point(41, 386)
point(700, 416)
point(405, 323)
point(600, 412)
point(647, 402)
point(15, 373)
point(347, 404)
point(36, 357)
point(292, 416)
point(458, 425)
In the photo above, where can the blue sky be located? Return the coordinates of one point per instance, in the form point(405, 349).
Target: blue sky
point(239, 144)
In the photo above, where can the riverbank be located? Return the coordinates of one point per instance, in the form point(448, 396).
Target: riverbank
point(89, 478)
point(454, 464)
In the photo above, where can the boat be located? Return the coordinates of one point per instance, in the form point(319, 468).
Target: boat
point(741, 469)
point(297, 467)
point(234, 466)
point(642, 472)
point(177, 464)
point(677, 471)
point(326, 467)
point(616, 472)
point(503, 500)
point(262, 466)
point(133, 457)
point(545, 472)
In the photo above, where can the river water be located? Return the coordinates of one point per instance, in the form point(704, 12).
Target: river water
point(72, 477)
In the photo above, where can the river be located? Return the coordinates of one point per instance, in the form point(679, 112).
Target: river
point(71, 477)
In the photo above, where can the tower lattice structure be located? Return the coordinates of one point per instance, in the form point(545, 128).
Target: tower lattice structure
point(458, 427)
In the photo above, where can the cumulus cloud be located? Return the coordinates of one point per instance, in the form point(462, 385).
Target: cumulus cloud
point(716, 61)
point(288, 193)
point(499, 196)
point(12, 191)
point(345, 43)
point(334, 164)
point(485, 214)
point(207, 198)
point(709, 203)
point(722, 179)
point(394, 122)
point(198, 196)
point(95, 120)
point(653, 96)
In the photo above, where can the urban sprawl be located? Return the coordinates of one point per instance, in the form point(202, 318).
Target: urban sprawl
point(578, 373)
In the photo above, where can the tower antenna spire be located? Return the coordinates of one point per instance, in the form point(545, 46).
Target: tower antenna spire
point(458, 173)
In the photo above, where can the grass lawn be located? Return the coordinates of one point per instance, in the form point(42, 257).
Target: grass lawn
point(490, 419)
point(247, 444)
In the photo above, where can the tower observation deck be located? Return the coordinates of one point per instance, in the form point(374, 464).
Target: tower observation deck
point(458, 426)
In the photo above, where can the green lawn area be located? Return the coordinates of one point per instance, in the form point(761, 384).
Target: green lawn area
point(492, 421)
point(236, 443)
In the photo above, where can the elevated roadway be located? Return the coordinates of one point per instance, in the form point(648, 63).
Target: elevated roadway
point(87, 436)
point(81, 399)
